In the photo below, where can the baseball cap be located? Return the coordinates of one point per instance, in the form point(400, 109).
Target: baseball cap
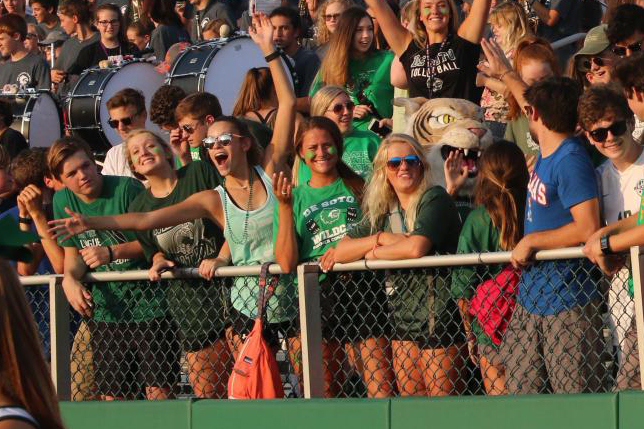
point(595, 42)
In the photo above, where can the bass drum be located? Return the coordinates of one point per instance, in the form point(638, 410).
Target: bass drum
point(219, 68)
point(86, 105)
point(36, 116)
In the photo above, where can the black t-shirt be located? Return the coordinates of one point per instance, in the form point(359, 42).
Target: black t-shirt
point(94, 53)
point(13, 142)
point(164, 36)
point(214, 10)
point(453, 70)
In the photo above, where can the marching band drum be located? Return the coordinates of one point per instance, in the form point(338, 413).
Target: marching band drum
point(36, 116)
point(218, 67)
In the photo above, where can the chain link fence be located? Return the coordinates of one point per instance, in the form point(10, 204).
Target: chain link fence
point(443, 328)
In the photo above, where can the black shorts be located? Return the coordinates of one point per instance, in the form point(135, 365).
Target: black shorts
point(128, 356)
point(354, 306)
point(242, 325)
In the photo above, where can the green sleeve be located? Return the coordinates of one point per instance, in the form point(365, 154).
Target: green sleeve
point(509, 133)
point(208, 174)
point(316, 85)
point(361, 229)
point(435, 207)
point(59, 203)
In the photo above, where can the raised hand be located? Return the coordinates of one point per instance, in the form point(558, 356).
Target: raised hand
point(455, 172)
point(64, 229)
point(497, 62)
point(31, 199)
point(282, 189)
point(262, 33)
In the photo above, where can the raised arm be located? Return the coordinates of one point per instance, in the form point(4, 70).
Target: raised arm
point(205, 204)
point(473, 27)
point(498, 67)
point(286, 249)
point(279, 149)
point(397, 36)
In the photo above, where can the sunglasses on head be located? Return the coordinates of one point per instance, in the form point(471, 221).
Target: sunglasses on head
point(222, 140)
point(412, 161)
point(114, 123)
point(620, 51)
point(472, 154)
point(339, 108)
point(601, 134)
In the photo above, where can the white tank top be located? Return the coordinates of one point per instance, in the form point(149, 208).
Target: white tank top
point(17, 413)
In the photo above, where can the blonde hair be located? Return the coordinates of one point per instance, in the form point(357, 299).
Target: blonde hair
point(24, 375)
point(418, 30)
point(380, 195)
point(323, 34)
point(324, 97)
point(157, 139)
point(512, 17)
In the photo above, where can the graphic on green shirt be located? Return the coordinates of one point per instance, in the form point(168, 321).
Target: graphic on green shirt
point(197, 306)
point(113, 301)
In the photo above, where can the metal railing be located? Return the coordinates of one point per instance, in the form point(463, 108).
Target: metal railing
point(312, 297)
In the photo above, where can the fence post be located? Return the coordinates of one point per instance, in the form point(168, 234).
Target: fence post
point(311, 330)
point(637, 264)
point(60, 334)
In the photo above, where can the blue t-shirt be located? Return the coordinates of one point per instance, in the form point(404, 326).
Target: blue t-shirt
point(558, 183)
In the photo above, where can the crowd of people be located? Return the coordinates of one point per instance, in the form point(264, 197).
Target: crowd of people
point(310, 171)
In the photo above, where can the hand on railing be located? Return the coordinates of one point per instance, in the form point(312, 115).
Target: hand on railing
point(207, 267)
point(79, 297)
point(609, 264)
point(327, 260)
point(64, 229)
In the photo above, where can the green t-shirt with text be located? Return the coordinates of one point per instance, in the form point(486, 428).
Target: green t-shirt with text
point(127, 301)
point(322, 217)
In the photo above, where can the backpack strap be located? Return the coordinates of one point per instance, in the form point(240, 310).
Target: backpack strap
point(265, 292)
point(396, 219)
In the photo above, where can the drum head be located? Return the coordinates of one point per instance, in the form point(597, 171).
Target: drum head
point(228, 68)
point(45, 122)
point(137, 75)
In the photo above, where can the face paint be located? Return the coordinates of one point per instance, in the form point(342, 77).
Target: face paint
point(155, 150)
point(444, 11)
point(426, 12)
point(308, 155)
point(332, 150)
point(135, 159)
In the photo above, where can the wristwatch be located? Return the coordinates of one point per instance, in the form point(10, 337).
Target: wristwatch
point(270, 57)
point(604, 245)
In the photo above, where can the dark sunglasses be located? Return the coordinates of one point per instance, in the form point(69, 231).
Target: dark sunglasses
point(587, 64)
point(339, 108)
point(472, 154)
point(222, 140)
point(601, 134)
point(188, 129)
point(332, 16)
point(412, 161)
point(620, 51)
point(114, 123)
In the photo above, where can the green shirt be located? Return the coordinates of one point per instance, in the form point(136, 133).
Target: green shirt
point(518, 133)
point(436, 219)
point(372, 77)
point(113, 301)
point(360, 149)
point(197, 306)
point(322, 217)
point(478, 235)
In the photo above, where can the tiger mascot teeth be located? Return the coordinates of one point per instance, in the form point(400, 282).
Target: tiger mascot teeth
point(442, 125)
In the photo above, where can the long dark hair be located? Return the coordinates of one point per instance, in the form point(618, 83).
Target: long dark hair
point(161, 12)
point(255, 153)
point(117, 10)
point(501, 188)
point(351, 180)
point(256, 88)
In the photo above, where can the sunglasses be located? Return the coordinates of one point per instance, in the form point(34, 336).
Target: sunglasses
point(620, 51)
point(114, 123)
point(188, 129)
point(587, 64)
point(332, 17)
point(471, 154)
point(601, 134)
point(412, 161)
point(339, 108)
point(222, 140)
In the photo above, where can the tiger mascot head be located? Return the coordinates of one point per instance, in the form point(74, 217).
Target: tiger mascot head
point(443, 125)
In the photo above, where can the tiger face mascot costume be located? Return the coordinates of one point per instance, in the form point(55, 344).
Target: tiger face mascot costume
point(443, 125)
